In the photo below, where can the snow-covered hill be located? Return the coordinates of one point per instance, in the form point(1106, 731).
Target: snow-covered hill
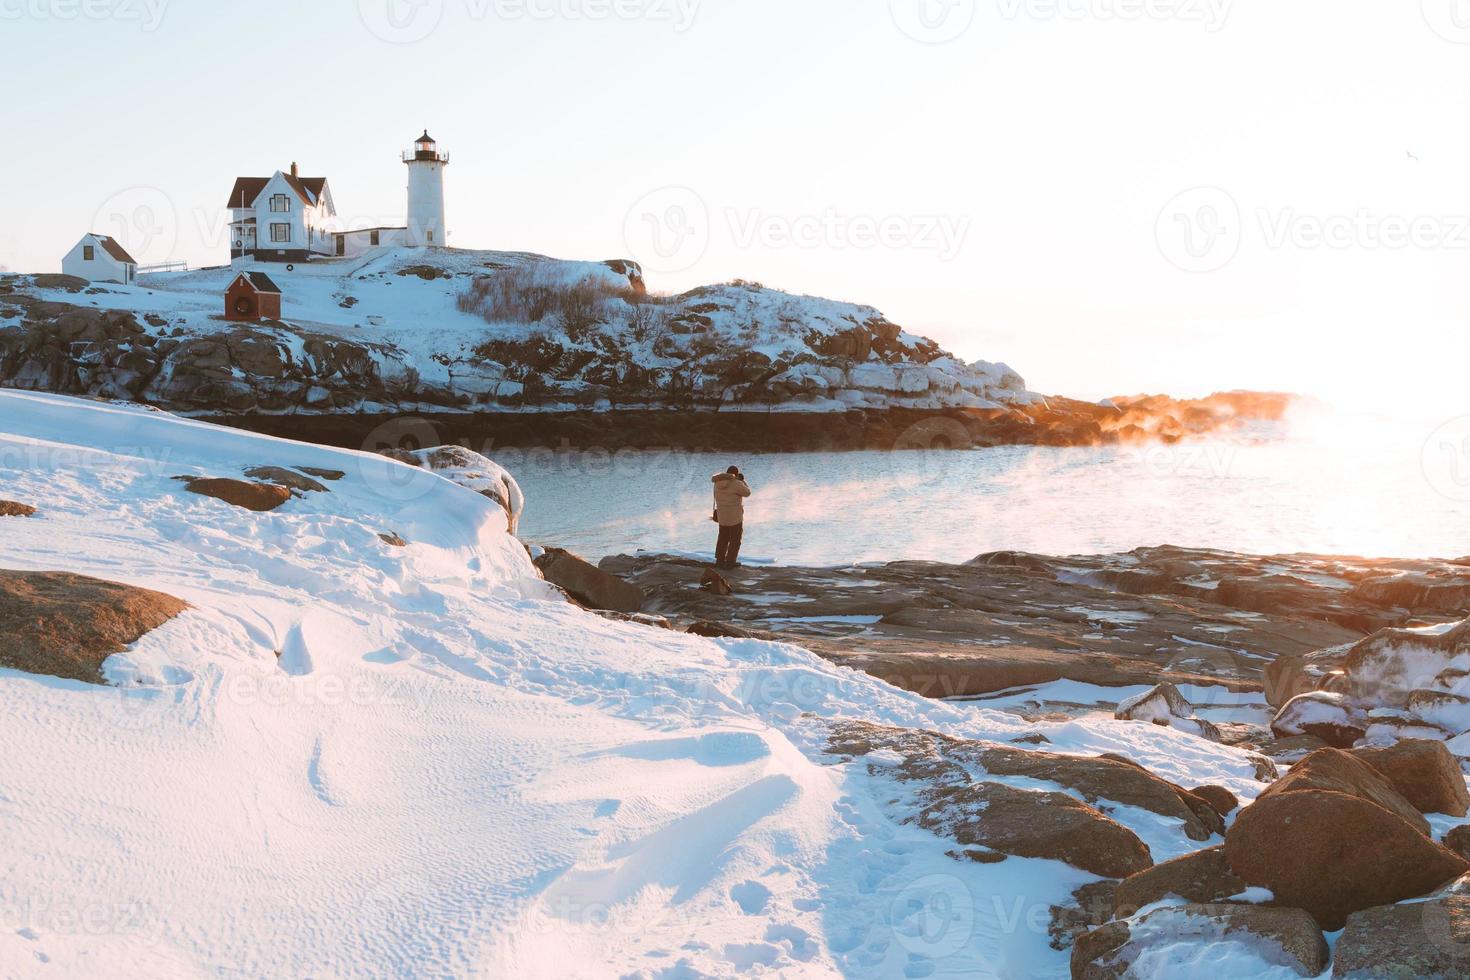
point(351, 759)
point(461, 330)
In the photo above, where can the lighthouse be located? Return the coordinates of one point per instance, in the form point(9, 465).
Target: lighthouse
point(426, 192)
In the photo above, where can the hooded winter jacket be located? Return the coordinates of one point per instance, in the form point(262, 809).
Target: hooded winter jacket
point(730, 494)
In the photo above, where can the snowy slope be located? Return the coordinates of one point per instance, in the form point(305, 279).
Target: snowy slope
point(353, 760)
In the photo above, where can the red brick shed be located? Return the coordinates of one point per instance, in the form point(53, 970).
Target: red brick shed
point(253, 296)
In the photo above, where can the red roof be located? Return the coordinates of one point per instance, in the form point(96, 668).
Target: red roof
point(112, 248)
point(247, 189)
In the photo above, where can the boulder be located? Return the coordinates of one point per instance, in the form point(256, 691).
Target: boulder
point(588, 584)
point(1444, 710)
point(1424, 773)
point(281, 476)
point(1457, 839)
point(1163, 705)
point(259, 497)
point(1425, 940)
point(66, 625)
point(1220, 799)
point(1388, 666)
point(1203, 876)
point(473, 472)
point(1029, 823)
point(1160, 705)
point(1336, 771)
point(1325, 715)
point(9, 508)
point(1282, 937)
point(1334, 854)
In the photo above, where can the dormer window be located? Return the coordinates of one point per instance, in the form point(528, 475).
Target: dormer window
point(280, 203)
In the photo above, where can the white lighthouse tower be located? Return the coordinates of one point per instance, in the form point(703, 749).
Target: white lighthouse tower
point(426, 192)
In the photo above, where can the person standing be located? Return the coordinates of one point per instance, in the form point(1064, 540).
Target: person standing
point(730, 493)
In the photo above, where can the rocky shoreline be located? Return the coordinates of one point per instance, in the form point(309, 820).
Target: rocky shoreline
point(1269, 628)
point(1059, 423)
point(703, 375)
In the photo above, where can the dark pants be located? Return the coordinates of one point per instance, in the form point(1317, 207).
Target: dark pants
point(727, 549)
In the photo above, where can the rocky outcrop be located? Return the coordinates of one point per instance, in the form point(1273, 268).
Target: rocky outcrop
point(66, 625)
point(1032, 823)
point(10, 508)
point(246, 494)
point(1099, 781)
point(990, 816)
point(582, 336)
point(1334, 854)
point(79, 350)
point(1282, 937)
point(291, 479)
point(1427, 940)
point(1007, 620)
point(588, 584)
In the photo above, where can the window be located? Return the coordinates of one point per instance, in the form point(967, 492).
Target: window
point(431, 236)
point(280, 231)
point(88, 253)
point(280, 203)
point(373, 236)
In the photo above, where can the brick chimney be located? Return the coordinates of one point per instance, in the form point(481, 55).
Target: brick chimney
point(294, 172)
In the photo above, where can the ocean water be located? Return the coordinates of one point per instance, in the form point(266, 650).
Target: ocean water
point(1326, 484)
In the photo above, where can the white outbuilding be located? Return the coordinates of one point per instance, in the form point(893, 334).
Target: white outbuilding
point(98, 258)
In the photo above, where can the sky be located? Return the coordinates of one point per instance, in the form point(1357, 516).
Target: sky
point(1112, 196)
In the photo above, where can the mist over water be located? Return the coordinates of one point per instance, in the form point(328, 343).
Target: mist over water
point(1327, 484)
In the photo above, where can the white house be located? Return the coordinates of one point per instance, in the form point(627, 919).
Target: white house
point(281, 218)
point(289, 218)
point(98, 258)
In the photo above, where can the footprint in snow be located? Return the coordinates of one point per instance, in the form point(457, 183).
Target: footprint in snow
point(751, 896)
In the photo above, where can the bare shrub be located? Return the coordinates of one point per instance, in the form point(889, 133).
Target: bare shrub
point(526, 294)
